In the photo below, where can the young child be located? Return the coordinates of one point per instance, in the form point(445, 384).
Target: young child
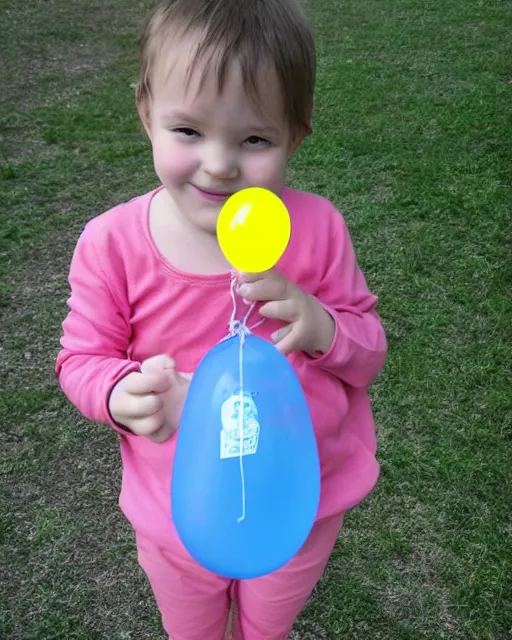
point(225, 96)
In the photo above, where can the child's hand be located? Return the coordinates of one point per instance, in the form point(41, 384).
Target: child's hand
point(310, 327)
point(150, 403)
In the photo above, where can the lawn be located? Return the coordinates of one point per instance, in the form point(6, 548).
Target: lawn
point(412, 141)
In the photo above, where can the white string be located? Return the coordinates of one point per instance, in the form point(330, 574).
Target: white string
point(241, 418)
point(239, 328)
point(236, 327)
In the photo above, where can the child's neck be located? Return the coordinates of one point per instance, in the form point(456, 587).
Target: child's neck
point(183, 245)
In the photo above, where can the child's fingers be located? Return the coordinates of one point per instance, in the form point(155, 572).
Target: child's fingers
point(263, 290)
point(148, 425)
point(143, 406)
point(148, 400)
point(278, 335)
point(144, 383)
point(157, 364)
point(285, 310)
point(162, 434)
point(242, 276)
point(289, 342)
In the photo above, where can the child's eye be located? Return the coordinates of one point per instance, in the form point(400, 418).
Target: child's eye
point(186, 132)
point(256, 141)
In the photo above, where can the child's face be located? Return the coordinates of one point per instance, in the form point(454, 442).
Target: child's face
point(208, 145)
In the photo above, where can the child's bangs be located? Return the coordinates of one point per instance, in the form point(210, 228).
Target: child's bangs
point(215, 59)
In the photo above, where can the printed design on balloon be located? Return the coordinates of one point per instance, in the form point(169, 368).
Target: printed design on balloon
point(230, 440)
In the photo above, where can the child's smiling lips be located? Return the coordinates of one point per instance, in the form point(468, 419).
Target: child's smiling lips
point(212, 195)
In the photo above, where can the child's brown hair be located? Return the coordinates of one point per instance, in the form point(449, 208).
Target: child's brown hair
point(253, 32)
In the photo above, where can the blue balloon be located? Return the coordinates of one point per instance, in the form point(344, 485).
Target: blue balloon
point(274, 485)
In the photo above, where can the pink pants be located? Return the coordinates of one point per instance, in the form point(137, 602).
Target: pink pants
point(195, 603)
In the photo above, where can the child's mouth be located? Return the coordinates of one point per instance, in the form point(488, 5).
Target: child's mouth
point(216, 196)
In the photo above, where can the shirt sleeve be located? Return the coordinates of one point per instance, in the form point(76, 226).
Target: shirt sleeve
point(96, 333)
point(359, 346)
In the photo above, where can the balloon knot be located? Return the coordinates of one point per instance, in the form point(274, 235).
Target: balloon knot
point(238, 328)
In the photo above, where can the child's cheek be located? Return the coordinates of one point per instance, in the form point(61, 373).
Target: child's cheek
point(266, 169)
point(175, 162)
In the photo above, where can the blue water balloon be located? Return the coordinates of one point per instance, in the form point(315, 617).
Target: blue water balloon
point(243, 516)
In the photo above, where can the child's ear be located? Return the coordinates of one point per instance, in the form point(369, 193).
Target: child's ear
point(144, 114)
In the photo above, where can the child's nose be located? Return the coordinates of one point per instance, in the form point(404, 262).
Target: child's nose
point(220, 164)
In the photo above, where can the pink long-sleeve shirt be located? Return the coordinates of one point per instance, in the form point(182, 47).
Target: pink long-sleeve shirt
point(129, 303)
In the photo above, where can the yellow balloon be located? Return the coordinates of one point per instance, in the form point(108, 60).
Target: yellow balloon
point(253, 229)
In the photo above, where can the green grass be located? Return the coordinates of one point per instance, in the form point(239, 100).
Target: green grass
point(412, 140)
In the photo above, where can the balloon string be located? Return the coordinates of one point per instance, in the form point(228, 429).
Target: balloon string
point(236, 327)
point(241, 417)
point(240, 328)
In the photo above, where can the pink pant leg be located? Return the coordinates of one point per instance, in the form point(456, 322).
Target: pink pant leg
point(268, 606)
point(194, 603)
